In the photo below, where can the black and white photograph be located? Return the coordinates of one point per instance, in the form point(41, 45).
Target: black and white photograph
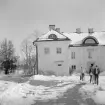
point(52, 52)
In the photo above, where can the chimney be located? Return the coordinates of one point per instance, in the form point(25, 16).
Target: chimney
point(51, 27)
point(58, 30)
point(90, 30)
point(78, 30)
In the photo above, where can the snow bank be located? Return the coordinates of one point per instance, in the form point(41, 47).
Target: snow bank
point(25, 94)
point(96, 92)
point(56, 78)
point(99, 97)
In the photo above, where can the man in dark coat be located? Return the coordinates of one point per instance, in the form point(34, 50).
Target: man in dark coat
point(96, 73)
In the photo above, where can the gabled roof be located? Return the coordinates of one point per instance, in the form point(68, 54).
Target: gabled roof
point(60, 36)
point(78, 38)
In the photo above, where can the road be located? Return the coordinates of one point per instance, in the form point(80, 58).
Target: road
point(71, 97)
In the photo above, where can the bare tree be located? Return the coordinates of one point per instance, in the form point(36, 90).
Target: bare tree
point(29, 50)
point(26, 49)
point(7, 49)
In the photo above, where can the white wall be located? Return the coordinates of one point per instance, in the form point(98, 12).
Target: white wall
point(98, 57)
point(50, 61)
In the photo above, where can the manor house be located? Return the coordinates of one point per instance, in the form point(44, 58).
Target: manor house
point(59, 52)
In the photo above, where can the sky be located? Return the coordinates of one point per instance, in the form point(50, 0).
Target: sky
point(20, 18)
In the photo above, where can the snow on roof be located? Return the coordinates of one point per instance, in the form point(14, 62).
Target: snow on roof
point(74, 37)
point(77, 38)
point(59, 35)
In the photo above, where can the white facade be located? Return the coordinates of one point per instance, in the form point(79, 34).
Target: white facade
point(85, 56)
point(53, 61)
point(74, 50)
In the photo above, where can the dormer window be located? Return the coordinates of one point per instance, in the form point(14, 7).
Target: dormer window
point(52, 36)
point(90, 40)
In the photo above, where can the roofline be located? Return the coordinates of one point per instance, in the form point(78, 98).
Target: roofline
point(80, 45)
point(64, 35)
point(52, 40)
point(59, 33)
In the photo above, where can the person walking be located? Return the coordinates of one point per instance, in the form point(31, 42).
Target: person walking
point(82, 74)
point(91, 70)
point(96, 73)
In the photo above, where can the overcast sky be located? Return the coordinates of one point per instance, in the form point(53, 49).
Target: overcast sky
point(19, 18)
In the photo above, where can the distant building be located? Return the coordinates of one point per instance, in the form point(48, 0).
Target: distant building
point(59, 52)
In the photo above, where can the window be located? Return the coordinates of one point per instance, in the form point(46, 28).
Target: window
point(73, 67)
point(90, 41)
point(59, 50)
point(59, 64)
point(90, 54)
point(46, 50)
point(72, 55)
point(52, 36)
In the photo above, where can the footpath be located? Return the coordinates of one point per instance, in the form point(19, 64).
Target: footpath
point(71, 97)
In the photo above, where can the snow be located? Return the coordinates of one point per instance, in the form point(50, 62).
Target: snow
point(12, 93)
point(45, 36)
point(99, 97)
point(56, 78)
point(75, 37)
point(96, 92)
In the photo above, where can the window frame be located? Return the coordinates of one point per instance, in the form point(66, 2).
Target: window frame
point(73, 67)
point(58, 50)
point(72, 55)
point(52, 36)
point(46, 50)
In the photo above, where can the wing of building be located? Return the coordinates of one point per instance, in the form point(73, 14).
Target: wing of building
point(59, 52)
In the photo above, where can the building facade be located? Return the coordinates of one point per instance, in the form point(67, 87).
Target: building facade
point(59, 52)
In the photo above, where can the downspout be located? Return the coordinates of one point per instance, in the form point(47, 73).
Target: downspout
point(36, 58)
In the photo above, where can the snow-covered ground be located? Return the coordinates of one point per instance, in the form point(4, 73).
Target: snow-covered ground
point(97, 93)
point(12, 93)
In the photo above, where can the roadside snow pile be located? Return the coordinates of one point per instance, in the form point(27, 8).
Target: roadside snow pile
point(55, 78)
point(100, 97)
point(97, 93)
point(100, 94)
point(25, 94)
point(16, 95)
